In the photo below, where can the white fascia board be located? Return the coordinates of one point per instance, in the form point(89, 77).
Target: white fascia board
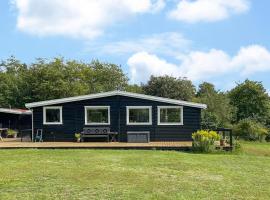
point(12, 111)
point(113, 93)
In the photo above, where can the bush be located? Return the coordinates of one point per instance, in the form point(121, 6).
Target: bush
point(249, 129)
point(236, 144)
point(204, 140)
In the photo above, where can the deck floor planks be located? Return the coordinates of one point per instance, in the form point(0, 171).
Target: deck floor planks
point(109, 145)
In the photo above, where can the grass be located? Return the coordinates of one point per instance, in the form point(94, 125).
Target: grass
point(127, 174)
point(256, 148)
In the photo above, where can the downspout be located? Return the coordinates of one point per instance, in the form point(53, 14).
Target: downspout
point(119, 115)
point(32, 111)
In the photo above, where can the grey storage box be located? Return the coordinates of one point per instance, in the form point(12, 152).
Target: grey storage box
point(138, 136)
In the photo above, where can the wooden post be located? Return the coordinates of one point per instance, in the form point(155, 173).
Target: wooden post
point(231, 138)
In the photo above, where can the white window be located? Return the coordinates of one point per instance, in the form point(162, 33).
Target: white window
point(170, 115)
point(139, 115)
point(52, 115)
point(97, 115)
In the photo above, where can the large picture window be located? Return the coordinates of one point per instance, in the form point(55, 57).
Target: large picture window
point(139, 115)
point(52, 115)
point(170, 115)
point(97, 115)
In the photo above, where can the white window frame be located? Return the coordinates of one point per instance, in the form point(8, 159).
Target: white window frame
point(139, 107)
point(97, 107)
point(172, 123)
point(52, 107)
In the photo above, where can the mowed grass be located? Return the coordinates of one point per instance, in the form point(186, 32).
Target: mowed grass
point(134, 174)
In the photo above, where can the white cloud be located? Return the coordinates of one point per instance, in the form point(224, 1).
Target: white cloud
point(199, 65)
point(143, 64)
point(252, 59)
point(78, 18)
point(170, 43)
point(207, 10)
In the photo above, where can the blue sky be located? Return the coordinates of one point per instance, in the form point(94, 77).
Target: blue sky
point(219, 41)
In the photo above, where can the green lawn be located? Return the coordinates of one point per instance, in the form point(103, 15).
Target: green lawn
point(108, 174)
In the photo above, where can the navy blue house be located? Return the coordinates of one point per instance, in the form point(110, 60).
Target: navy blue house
point(123, 112)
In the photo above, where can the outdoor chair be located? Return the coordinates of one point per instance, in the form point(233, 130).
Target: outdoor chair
point(38, 137)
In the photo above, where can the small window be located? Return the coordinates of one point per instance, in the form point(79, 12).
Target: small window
point(52, 115)
point(139, 115)
point(170, 115)
point(97, 115)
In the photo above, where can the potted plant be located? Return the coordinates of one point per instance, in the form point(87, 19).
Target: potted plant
point(222, 142)
point(12, 133)
point(78, 137)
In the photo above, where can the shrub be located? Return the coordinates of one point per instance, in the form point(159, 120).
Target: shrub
point(12, 133)
point(249, 129)
point(204, 140)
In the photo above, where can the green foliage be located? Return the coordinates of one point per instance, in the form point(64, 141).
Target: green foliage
point(236, 145)
point(11, 132)
point(134, 88)
point(170, 87)
point(219, 112)
point(204, 140)
point(12, 83)
point(251, 100)
point(250, 129)
point(56, 78)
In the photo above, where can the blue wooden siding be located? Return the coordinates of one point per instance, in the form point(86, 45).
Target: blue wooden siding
point(73, 120)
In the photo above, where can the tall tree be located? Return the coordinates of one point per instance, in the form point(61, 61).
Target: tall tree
point(12, 88)
point(56, 78)
point(219, 112)
point(170, 87)
point(251, 100)
point(108, 77)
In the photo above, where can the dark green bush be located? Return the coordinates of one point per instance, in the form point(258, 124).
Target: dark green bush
point(249, 129)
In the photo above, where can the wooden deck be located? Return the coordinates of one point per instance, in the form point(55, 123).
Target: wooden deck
point(96, 145)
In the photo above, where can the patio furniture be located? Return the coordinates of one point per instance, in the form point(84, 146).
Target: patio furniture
point(98, 132)
point(39, 135)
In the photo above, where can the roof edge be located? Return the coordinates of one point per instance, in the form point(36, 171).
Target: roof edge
point(112, 93)
point(15, 111)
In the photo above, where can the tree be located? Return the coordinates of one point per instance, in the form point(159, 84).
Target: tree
point(107, 77)
point(134, 88)
point(12, 89)
point(251, 100)
point(219, 112)
point(56, 78)
point(170, 87)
